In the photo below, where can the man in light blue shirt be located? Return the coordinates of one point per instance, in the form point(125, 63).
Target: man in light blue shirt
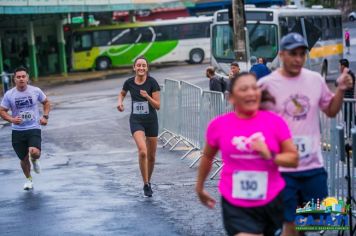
point(26, 121)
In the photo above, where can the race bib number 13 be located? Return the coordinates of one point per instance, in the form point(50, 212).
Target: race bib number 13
point(250, 185)
point(304, 146)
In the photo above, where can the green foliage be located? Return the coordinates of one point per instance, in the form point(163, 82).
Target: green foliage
point(325, 3)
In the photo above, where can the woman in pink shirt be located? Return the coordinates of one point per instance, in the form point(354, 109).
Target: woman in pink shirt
point(253, 144)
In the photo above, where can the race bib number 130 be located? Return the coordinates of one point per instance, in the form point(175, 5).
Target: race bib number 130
point(250, 185)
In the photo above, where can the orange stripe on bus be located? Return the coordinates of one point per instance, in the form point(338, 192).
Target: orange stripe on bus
point(326, 51)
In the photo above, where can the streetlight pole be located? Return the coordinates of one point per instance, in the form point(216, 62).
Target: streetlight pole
point(239, 26)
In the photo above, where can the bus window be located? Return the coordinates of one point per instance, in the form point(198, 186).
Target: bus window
point(292, 21)
point(83, 42)
point(263, 40)
point(338, 26)
point(101, 38)
point(166, 32)
point(222, 45)
point(317, 22)
point(124, 36)
point(283, 25)
point(332, 28)
point(191, 31)
point(325, 27)
point(145, 35)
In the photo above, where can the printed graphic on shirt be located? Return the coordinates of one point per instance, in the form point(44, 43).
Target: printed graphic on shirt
point(243, 143)
point(23, 102)
point(297, 106)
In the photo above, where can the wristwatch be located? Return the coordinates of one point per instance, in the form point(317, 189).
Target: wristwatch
point(46, 117)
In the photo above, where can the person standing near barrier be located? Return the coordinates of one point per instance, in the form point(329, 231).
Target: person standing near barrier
point(215, 83)
point(253, 143)
point(26, 121)
point(234, 69)
point(300, 94)
point(347, 40)
point(145, 96)
point(259, 69)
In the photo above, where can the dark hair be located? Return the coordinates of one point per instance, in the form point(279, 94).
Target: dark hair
point(140, 57)
point(344, 62)
point(234, 63)
point(20, 68)
point(210, 70)
point(265, 95)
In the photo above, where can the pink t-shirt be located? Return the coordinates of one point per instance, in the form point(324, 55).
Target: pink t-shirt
point(248, 180)
point(298, 101)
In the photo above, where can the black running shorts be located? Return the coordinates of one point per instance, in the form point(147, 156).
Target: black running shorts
point(150, 128)
point(266, 220)
point(22, 140)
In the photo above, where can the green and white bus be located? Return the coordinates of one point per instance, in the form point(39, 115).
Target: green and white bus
point(181, 39)
point(266, 26)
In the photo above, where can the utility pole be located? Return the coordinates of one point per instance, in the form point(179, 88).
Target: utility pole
point(239, 26)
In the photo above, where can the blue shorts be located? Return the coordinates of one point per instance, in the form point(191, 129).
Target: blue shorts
point(302, 187)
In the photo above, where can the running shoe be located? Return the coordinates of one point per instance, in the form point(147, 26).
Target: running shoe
point(147, 191)
point(28, 185)
point(150, 188)
point(36, 165)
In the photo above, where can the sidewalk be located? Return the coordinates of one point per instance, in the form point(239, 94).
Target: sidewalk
point(76, 77)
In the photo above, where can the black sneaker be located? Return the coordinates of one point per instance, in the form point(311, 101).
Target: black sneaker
point(147, 191)
point(149, 184)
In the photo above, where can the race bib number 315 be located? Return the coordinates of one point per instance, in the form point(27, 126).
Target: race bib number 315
point(250, 185)
point(140, 108)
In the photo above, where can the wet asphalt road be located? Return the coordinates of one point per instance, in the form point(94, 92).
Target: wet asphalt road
point(90, 182)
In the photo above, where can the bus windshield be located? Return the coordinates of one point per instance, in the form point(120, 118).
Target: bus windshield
point(263, 41)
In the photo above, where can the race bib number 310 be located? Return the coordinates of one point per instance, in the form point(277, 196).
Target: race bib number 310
point(27, 116)
point(250, 185)
point(140, 108)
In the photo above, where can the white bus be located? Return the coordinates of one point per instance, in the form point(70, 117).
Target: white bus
point(182, 39)
point(266, 26)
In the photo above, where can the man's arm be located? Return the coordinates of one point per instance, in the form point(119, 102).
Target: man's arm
point(46, 107)
point(335, 103)
point(5, 115)
point(345, 82)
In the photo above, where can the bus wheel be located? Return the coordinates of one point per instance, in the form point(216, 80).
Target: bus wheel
point(196, 56)
point(352, 18)
point(102, 63)
point(324, 70)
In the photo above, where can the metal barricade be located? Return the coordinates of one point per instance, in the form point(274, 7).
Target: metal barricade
point(191, 96)
point(171, 109)
point(161, 110)
point(212, 105)
point(189, 123)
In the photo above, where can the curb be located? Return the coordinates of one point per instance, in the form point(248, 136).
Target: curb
point(55, 83)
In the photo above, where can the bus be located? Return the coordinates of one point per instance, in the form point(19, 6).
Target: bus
point(181, 39)
point(265, 28)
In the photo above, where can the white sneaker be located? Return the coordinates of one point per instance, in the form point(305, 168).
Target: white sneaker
point(28, 185)
point(36, 165)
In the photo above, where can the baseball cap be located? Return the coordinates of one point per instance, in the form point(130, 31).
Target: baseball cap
point(292, 41)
